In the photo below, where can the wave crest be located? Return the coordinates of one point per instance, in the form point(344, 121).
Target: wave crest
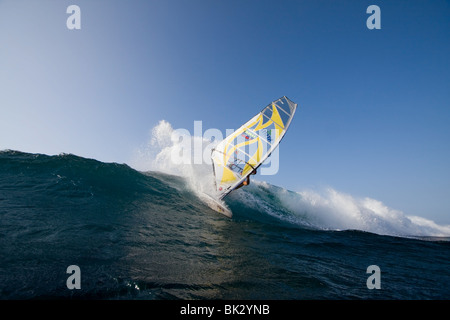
point(334, 210)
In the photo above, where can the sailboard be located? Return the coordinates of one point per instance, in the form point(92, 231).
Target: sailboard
point(216, 205)
point(243, 151)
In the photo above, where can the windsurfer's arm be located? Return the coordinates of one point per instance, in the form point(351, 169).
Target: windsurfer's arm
point(246, 182)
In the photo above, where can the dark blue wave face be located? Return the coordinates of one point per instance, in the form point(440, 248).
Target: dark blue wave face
point(147, 235)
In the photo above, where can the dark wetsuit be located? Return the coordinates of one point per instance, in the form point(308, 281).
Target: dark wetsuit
point(246, 182)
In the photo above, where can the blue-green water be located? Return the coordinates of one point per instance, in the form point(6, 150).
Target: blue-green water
point(138, 235)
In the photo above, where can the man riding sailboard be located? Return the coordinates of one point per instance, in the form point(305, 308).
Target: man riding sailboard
point(238, 156)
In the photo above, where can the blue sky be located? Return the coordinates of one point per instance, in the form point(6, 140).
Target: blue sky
point(374, 105)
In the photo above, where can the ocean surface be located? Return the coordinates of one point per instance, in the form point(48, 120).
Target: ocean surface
point(147, 235)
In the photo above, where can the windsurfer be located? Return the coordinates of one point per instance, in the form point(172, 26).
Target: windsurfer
point(246, 182)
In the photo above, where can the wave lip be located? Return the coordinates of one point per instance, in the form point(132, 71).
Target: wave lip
point(335, 210)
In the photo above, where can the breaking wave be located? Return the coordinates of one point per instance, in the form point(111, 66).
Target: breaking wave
point(327, 209)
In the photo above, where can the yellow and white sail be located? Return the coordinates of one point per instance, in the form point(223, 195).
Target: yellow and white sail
point(245, 149)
